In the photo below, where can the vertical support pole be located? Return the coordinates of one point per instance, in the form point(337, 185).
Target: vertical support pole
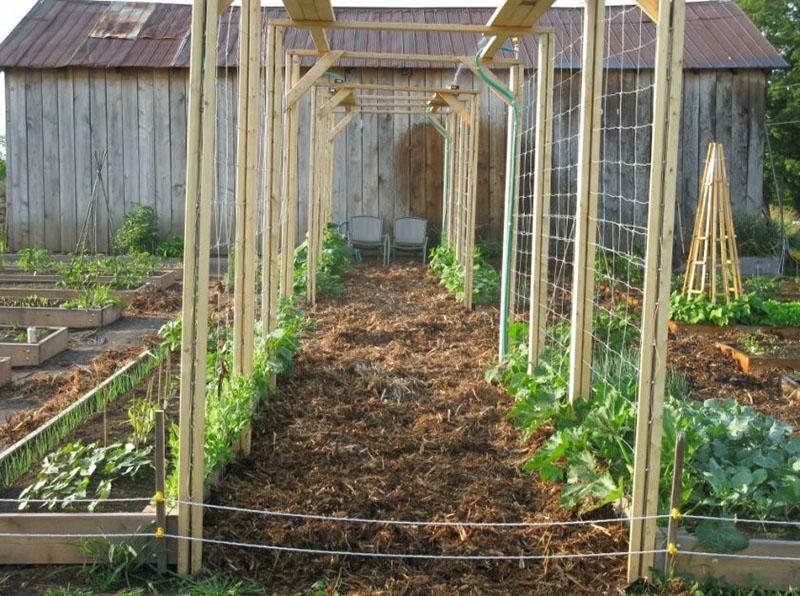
point(458, 199)
point(289, 213)
point(513, 139)
point(199, 177)
point(273, 135)
point(540, 230)
point(658, 273)
point(675, 500)
point(580, 355)
point(314, 181)
point(517, 86)
point(246, 191)
point(475, 111)
point(161, 506)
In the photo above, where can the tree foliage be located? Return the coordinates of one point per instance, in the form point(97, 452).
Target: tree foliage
point(779, 21)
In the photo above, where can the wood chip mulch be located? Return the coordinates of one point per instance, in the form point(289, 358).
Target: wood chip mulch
point(712, 374)
point(388, 416)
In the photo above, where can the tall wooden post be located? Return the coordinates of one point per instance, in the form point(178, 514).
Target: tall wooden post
point(199, 196)
point(516, 84)
point(469, 232)
point(246, 188)
point(580, 355)
point(273, 135)
point(540, 231)
point(314, 181)
point(658, 273)
point(289, 203)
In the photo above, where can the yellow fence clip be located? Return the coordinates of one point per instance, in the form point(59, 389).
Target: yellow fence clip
point(676, 514)
point(158, 498)
point(160, 533)
point(672, 549)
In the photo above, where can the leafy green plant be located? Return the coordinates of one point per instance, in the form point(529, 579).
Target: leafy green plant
point(112, 564)
point(738, 461)
point(485, 278)
point(219, 585)
point(68, 474)
point(749, 309)
point(612, 268)
point(138, 232)
point(141, 417)
point(172, 248)
point(96, 297)
point(336, 259)
point(36, 260)
point(763, 287)
point(756, 234)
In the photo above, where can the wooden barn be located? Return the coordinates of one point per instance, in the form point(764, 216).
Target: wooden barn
point(96, 101)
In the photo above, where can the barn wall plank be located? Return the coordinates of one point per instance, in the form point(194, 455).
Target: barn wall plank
point(51, 228)
point(101, 231)
point(177, 130)
point(402, 153)
point(147, 165)
point(385, 156)
point(369, 148)
point(689, 180)
point(17, 138)
point(756, 140)
point(416, 165)
point(354, 175)
point(130, 139)
point(163, 165)
point(66, 162)
point(118, 146)
point(83, 145)
point(33, 100)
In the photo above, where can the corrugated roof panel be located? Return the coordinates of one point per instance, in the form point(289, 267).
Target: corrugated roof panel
point(122, 20)
point(59, 33)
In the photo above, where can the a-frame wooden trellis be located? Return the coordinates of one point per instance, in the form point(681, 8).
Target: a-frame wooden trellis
point(713, 256)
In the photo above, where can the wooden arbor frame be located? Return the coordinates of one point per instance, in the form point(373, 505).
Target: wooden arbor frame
point(513, 18)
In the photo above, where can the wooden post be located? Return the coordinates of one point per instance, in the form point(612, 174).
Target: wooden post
point(675, 500)
point(199, 177)
point(289, 212)
point(246, 192)
point(161, 506)
point(667, 110)
point(540, 231)
point(516, 83)
point(475, 110)
point(580, 354)
point(273, 135)
point(314, 180)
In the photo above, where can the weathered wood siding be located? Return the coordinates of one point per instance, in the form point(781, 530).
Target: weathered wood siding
point(61, 122)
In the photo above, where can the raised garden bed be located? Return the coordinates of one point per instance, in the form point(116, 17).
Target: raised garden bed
point(44, 286)
point(767, 574)
point(760, 351)
point(5, 371)
point(790, 386)
point(101, 417)
point(54, 316)
point(679, 328)
point(16, 344)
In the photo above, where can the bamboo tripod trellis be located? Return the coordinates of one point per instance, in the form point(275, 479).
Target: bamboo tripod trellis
point(713, 256)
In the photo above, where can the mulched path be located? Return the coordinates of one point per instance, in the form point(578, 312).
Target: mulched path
point(712, 374)
point(388, 416)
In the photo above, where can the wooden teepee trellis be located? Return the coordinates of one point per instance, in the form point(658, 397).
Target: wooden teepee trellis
point(713, 257)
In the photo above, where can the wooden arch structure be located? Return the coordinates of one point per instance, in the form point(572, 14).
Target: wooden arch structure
point(453, 114)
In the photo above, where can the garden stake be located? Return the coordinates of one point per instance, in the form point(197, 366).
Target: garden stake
point(675, 504)
point(161, 508)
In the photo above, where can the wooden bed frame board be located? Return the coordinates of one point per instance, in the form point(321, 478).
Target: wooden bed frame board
point(34, 354)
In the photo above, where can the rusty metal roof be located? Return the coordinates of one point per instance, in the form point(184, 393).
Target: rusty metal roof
point(87, 33)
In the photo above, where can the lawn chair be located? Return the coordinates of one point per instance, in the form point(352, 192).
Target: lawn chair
point(410, 234)
point(365, 231)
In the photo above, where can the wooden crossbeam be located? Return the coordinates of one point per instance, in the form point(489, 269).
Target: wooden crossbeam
point(224, 5)
point(519, 13)
point(510, 31)
point(458, 106)
point(398, 89)
point(392, 57)
point(650, 8)
point(319, 11)
point(340, 97)
point(312, 76)
point(342, 124)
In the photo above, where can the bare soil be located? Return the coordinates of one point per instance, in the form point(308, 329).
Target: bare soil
point(388, 416)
